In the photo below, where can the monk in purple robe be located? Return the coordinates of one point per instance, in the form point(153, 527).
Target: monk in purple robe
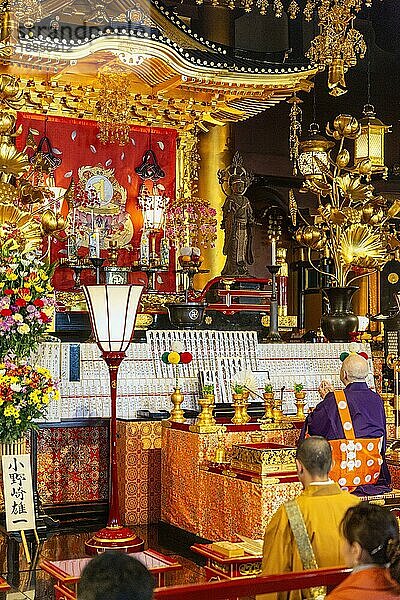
point(366, 411)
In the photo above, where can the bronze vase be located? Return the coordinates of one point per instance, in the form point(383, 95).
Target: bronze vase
point(339, 320)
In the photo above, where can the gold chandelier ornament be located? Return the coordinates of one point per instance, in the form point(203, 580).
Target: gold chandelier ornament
point(338, 44)
point(114, 105)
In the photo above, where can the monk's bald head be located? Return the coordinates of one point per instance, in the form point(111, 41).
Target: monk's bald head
point(315, 454)
point(354, 368)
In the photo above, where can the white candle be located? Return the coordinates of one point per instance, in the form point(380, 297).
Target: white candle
point(94, 245)
point(273, 252)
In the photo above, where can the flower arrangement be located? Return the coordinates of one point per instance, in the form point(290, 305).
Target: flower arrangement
point(24, 302)
point(25, 392)
point(354, 224)
point(191, 222)
point(268, 388)
point(298, 387)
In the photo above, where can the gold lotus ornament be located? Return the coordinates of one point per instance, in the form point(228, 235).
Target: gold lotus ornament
point(332, 215)
point(344, 126)
point(8, 193)
point(11, 95)
point(311, 236)
point(26, 224)
point(377, 216)
point(343, 158)
point(394, 209)
point(354, 224)
point(7, 122)
point(367, 212)
point(352, 215)
point(316, 186)
point(353, 189)
point(365, 166)
point(361, 246)
point(12, 162)
point(52, 222)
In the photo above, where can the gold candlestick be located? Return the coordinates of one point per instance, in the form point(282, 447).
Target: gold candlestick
point(300, 403)
point(113, 252)
point(177, 412)
point(240, 404)
point(205, 422)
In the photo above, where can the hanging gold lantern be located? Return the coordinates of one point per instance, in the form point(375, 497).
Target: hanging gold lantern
point(371, 142)
point(313, 157)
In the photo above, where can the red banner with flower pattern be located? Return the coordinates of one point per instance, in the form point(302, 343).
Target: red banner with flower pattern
point(76, 142)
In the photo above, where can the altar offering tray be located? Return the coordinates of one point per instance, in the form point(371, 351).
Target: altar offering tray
point(264, 458)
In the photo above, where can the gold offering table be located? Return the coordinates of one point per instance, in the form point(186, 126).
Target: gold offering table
point(218, 501)
point(220, 567)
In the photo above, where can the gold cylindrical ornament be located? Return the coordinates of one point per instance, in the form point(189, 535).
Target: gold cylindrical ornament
point(177, 415)
point(268, 405)
point(300, 403)
point(277, 412)
point(220, 452)
point(240, 405)
point(205, 422)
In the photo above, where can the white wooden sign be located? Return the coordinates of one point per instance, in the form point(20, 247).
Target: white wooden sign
point(18, 494)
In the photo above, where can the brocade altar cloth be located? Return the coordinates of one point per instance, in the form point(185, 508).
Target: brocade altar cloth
point(139, 463)
point(217, 503)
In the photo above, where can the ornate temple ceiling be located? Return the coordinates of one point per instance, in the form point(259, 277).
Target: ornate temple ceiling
point(176, 78)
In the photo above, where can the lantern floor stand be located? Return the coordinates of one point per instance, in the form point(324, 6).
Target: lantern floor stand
point(273, 334)
point(114, 536)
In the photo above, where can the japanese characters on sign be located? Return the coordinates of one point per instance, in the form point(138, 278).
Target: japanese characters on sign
point(18, 495)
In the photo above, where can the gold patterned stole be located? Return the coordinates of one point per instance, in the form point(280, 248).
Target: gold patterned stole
point(304, 546)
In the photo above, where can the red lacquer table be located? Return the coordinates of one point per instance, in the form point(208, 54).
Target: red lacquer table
point(67, 572)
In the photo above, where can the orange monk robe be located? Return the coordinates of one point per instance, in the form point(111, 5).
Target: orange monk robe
point(323, 507)
point(371, 583)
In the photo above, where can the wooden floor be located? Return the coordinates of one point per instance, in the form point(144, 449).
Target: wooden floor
point(29, 581)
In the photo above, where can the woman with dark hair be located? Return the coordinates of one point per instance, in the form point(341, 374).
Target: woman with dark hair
point(371, 547)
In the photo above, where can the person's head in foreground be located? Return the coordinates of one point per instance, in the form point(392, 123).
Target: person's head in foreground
point(115, 576)
point(313, 460)
point(354, 368)
point(371, 537)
